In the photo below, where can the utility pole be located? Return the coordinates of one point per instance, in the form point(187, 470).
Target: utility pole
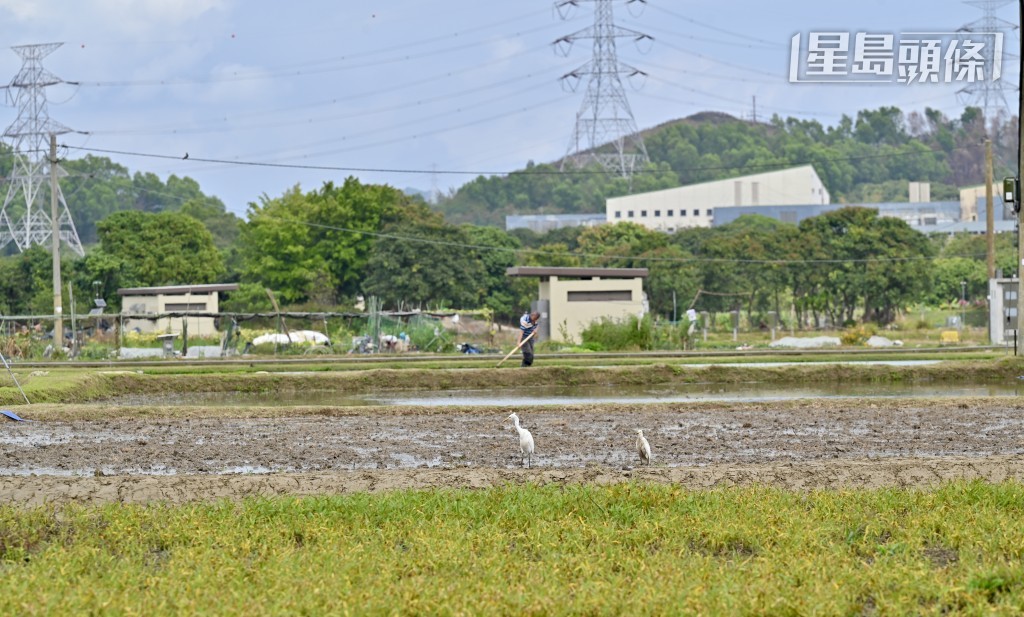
point(58, 323)
point(990, 218)
point(1020, 216)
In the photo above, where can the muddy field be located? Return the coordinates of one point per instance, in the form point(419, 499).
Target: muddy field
point(208, 454)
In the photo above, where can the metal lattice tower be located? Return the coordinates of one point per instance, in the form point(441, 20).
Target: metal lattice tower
point(29, 138)
point(987, 94)
point(605, 131)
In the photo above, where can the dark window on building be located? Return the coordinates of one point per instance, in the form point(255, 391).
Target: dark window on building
point(182, 306)
point(657, 213)
point(630, 214)
point(600, 296)
point(643, 213)
point(618, 214)
point(669, 213)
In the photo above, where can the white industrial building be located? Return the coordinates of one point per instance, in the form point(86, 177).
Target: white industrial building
point(694, 205)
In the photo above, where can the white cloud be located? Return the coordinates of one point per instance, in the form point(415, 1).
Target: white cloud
point(132, 14)
point(22, 10)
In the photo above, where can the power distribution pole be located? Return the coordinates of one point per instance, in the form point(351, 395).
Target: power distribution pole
point(58, 309)
point(990, 217)
point(1020, 212)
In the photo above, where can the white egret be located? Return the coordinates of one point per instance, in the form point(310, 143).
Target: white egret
point(642, 447)
point(525, 440)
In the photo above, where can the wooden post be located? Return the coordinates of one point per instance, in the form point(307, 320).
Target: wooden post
point(989, 214)
point(277, 309)
point(58, 322)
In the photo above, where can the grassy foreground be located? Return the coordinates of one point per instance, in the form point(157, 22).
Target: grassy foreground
point(624, 549)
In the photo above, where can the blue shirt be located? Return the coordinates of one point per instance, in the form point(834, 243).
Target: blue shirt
point(526, 326)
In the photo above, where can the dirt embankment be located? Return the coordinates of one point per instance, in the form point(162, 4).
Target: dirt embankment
point(69, 386)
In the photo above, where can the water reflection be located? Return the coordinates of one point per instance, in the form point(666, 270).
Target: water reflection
point(567, 395)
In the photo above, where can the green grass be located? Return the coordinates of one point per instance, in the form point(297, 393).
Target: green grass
point(625, 549)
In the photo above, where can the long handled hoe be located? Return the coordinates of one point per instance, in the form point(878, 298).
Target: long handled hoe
point(8, 366)
point(521, 343)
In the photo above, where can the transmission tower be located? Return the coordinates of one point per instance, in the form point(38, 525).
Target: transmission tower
point(605, 130)
point(29, 138)
point(985, 93)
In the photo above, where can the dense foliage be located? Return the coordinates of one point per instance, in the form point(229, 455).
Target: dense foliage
point(323, 248)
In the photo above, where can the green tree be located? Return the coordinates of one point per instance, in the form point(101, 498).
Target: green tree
point(314, 247)
point(496, 252)
point(862, 260)
point(419, 264)
point(156, 249)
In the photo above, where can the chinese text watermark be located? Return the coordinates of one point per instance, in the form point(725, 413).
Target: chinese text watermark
point(906, 58)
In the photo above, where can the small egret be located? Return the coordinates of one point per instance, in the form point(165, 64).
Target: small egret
point(642, 447)
point(525, 440)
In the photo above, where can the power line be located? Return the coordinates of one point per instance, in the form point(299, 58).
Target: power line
point(350, 116)
point(774, 44)
point(542, 172)
point(301, 70)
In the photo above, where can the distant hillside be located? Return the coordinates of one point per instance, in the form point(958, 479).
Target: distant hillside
point(867, 158)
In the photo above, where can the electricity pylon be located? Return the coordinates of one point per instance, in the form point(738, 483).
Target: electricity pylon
point(989, 93)
point(29, 138)
point(605, 131)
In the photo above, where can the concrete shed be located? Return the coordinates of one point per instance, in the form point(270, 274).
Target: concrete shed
point(570, 299)
point(173, 299)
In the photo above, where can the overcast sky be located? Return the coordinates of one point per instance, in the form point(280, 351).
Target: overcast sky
point(414, 93)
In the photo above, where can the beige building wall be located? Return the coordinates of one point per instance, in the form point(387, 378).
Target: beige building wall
point(969, 202)
point(694, 205)
point(173, 303)
point(575, 303)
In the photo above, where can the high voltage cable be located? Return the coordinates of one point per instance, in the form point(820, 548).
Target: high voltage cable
point(405, 138)
point(748, 37)
point(346, 116)
point(527, 172)
point(676, 33)
point(298, 72)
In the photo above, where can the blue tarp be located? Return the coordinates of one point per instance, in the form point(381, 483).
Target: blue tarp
point(13, 416)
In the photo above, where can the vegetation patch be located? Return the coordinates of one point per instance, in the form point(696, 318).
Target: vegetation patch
point(571, 549)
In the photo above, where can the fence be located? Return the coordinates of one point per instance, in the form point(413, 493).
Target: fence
point(103, 336)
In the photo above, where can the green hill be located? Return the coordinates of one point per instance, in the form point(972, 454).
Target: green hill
point(867, 158)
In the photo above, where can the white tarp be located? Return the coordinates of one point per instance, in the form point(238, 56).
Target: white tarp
point(806, 343)
point(297, 336)
point(881, 341)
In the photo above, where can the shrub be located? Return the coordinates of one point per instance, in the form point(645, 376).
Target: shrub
point(613, 335)
point(857, 335)
point(94, 351)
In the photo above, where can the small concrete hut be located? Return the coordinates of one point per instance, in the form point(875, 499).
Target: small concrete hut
point(570, 299)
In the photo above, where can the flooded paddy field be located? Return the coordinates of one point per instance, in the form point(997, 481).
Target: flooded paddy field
point(175, 444)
